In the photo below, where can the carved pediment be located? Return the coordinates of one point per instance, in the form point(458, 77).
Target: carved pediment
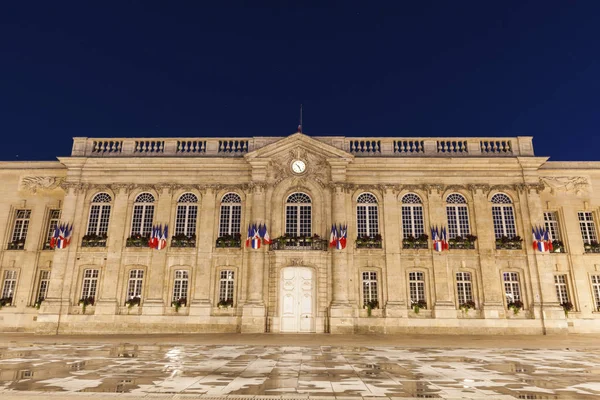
point(35, 183)
point(569, 184)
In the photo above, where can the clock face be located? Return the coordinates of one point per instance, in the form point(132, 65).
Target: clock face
point(298, 166)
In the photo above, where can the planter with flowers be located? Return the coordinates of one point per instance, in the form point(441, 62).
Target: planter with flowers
point(592, 247)
point(418, 305)
point(515, 306)
point(133, 301)
point(567, 307)
point(180, 302)
point(225, 303)
point(18, 244)
point(38, 303)
point(509, 243)
point(370, 306)
point(558, 246)
point(420, 242)
point(229, 241)
point(369, 242)
point(84, 302)
point(466, 306)
point(93, 240)
point(138, 240)
point(6, 301)
point(183, 240)
point(462, 242)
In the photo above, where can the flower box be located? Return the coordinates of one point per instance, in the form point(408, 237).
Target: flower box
point(411, 242)
point(18, 244)
point(299, 243)
point(225, 303)
point(133, 301)
point(371, 305)
point(177, 304)
point(593, 247)
point(229, 241)
point(462, 243)
point(182, 240)
point(84, 302)
point(138, 241)
point(368, 242)
point(515, 306)
point(418, 305)
point(6, 301)
point(506, 243)
point(93, 241)
point(466, 306)
point(558, 247)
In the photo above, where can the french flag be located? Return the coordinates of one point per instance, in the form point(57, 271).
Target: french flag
point(162, 241)
point(255, 238)
point(333, 237)
point(341, 242)
point(250, 235)
point(264, 234)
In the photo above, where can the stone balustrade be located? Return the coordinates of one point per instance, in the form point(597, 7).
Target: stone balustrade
point(360, 147)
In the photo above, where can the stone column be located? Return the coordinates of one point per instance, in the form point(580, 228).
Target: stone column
point(390, 219)
point(541, 268)
point(342, 313)
point(108, 301)
point(443, 306)
point(254, 311)
point(57, 301)
point(200, 304)
point(157, 280)
point(491, 285)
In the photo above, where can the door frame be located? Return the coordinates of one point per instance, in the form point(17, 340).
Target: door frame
point(313, 272)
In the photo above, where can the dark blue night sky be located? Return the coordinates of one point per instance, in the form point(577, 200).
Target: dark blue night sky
point(365, 68)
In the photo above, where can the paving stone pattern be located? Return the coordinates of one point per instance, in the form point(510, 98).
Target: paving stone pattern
point(250, 371)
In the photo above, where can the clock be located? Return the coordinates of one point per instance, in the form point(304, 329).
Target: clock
point(298, 166)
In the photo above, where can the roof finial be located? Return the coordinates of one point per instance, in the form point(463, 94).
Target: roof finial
point(300, 126)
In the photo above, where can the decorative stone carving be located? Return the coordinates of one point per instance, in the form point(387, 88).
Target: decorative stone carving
point(296, 262)
point(35, 183)
point(569, 184)
point(124, 188)
point(523, 187)
point(317, 168)
point(434, 187)
point(74, 187)
point(483, 187)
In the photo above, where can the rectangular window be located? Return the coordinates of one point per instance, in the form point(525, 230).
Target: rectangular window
point(185, 221)
point(9, 285)
point(20, 230)
point(369, 287)
point(512, 287)
point(226, 286)
point(90, 283)
point(141, 223)
point(504, 221)
point(180, 285)
point(99, 218)
point(231, 219)
point(43, 286)
point(464, 287)
point(596, 290)
point(562, 294)
point(412, 221)
point(136, 280)
point(53, 219)
point(588, 229)
point(417, 286)
point(551, 224)
point(458, 221)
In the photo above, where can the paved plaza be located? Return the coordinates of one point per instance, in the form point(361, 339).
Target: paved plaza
point(299, 366)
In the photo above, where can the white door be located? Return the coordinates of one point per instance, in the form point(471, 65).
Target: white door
point(297, 300)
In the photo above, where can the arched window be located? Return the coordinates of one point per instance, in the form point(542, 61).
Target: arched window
point(412, 215)
point(99, 215)
point(231, 215)
point(367, 216)
point(503, 216)
point(458, 216)
point(298, 215)
point(143, 215)
point(187, 212)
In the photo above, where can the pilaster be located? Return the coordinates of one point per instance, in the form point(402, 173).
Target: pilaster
point(396, 281)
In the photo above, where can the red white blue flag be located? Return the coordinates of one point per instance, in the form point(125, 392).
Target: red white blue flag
point(250, 235)
point(61, 238)
point(162, 240)
point(342, 236)
point(255, 237)
point(333, 238)
point(264, 234)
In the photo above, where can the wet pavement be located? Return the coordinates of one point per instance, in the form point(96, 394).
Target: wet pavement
point(82, 367)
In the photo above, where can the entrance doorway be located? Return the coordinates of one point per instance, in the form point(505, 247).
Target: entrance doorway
point(297, 300)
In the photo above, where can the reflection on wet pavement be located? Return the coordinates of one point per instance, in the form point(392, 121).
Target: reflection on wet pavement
point(220, 370)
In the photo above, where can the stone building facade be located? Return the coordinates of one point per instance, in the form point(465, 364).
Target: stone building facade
point(486, 193)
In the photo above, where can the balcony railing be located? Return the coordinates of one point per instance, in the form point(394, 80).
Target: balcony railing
point(299, 243)
point(182, 240)
point(360, 147)
point(93, 241)
point(18, 244)
point(505, 243)
point(229, 241)
point(138, 241)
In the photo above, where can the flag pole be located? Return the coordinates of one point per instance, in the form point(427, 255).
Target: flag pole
point(300, 126)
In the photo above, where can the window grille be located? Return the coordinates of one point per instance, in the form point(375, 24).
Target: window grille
point(187, 213)
point(21, 225)
point(43, 285)
point(298, 215)
point(226, 285)
point(90, 283)
point(134, 286)
point(458, 216)
point(503, 216)
point(180, 285)
point(587, 226)
point(369, 287)
point(551, 224)
point(367, 218)
point(143, 215)
point(464, 287)
point(9, 284)
point(512, 287)
point(417, 286)
point(596, 290)
point(99, 215)
point(53, 219)
point(412, 216)
point(562, 293)
point(231, 215)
